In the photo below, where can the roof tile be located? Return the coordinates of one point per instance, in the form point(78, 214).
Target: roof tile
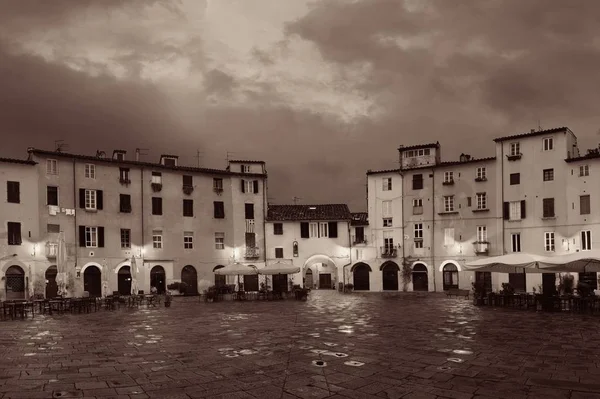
point(308, 212)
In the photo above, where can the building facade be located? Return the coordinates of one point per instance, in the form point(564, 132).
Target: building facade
point(171, 223)
point(316, 238)
point(534, 196)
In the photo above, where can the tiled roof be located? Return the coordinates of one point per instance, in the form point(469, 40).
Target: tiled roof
point(531, 134)
point(245, 161)
point(376, 172)
point(451, 163)
point(308, 212)
point(59, 154)
point(19, 161)
point(419, 146)
point(593, 154)
point(360, 219)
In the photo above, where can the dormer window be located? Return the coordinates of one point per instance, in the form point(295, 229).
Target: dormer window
point(245, 168)
point(418, 153)
point(169, 161)
point(119, 155)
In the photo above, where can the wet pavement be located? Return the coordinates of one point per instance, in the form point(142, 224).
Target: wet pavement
point(332, 346)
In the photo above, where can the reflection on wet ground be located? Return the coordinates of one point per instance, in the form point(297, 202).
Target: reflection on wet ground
point(358, 346)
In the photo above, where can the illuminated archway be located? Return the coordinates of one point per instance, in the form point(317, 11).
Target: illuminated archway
point(323, 271)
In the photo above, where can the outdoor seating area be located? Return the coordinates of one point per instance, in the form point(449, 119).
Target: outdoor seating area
point(23, 309)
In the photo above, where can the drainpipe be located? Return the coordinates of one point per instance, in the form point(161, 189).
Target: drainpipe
point(76, 231)
point(433, 228)
point(142, 210)
point(350, 260)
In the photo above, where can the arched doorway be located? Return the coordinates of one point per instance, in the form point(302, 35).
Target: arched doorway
point(450, 276)
point(189, 276)
point(389, 271)
point(308, 280)
point(158, 279)
point(361, 276)
point(220, 280)
point(420, 279)
point(51, 286)
point(92, 281)
point(124, 280)
point(15, 283)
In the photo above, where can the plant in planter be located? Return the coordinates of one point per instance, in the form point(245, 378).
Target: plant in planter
point(406, 273)
point(479, 293)
point(168, 299)
point(348, 287)
point(566, 284)
point(301, 293)
point(507, 289)
point(178, 286)
point(584, 290)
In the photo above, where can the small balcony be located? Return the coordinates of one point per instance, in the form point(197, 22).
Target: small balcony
point(514, 157)
point(481, 247)
point(448, 182)
point(51, 250)
point(187, 189)
point(358, 240)
point(251, 253)
point(388, 252)
point(478, 179)
point(218, 190)
point(156, 187)
point(124, 181)
point(250, 225)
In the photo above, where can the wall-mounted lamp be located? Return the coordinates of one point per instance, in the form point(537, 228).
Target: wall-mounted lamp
point(78, 272)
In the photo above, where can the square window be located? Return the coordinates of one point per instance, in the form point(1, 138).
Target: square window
point(278, 229)
point(584, 170)
point(448, 177)
point(548, 144)
point(515, 149)
point(157, 239)
point(481, 201)
point(53, 228)
point(387, 222)
point(52, 195)
point(481, 173)
point(90, 171)
point(188, 240)
point(418, 230)
point(156, 178)
point(219, 240)
point(387, 184)
point(417, 182)
point(449, 203)
point(279, 253)
point(91, 237)
point(548, 174)
point(515, 178)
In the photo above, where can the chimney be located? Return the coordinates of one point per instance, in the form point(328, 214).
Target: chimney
point(137, 154)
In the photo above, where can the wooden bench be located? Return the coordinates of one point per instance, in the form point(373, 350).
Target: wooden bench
point(457, 292)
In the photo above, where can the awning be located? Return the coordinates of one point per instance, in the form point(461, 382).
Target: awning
point(582, 261)
point(279, 268)
point(510, 263)
point(236, 269)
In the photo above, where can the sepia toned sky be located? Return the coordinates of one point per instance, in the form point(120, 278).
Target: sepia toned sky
point(320, 90)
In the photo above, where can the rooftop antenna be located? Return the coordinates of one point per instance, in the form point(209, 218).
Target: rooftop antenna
point(139, 152)
point(296, 199)
point(198, 156)
point(539, 125)
point(60, 145)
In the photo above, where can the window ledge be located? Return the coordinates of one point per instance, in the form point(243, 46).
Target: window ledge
point(418, 239)
point(549, 218)
point(480, 179)
point(91, 210)
point(514, 220)
point(481, 210)
point(448, 213)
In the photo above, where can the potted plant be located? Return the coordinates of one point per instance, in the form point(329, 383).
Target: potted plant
point(301, 293)
point(348, 287)
point(566, 284)
point(479, 293)
point(168, 299)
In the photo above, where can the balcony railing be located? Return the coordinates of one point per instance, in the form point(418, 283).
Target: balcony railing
point(252, 253)
point(51, 250)
point(388, 252)
point(481, 247)
point(514, 157)
point(187, 189)
point(250, 225)
point(417, 210)
point(358, 240)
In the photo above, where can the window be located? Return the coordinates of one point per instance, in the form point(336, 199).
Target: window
point(584, 205)
point(157, 206)
point(124, 203)
point(125, 238)
point(448, 177)
point(417, 206)
point(418, 231)
point(217, 185)
point(119, 156)
point(515, 178)
point(90, 199)
point(448, 203)
point(248, 186)
point(245, 168)
point(388, 241)
point(91, 237)
point(53, 228)
point(387, 184)
point(417, 153)
point(449, 237)
point(156, 178)
point(548, 144)
point(323, 229)
point(314, 230)
point(549, 241)
point(278, 229)
point(387, 222)
point(548, 207)
point(584, 170)
point(417, 182)
point(51, 167)
point(219, 240)
point(279, 253)
point(418, 244)
point(481, 201)
point(90, 171)
point(188, 208)
point(157, 239)
point(188, 181)
point(52, 195)
point(515, 210)
point(468, 201)
point(481, 173)
point(548, 174)
point(13, 192)
point(481, 233)
point(586, 240)
point(249, 211)
point(515, 149)
point(14, 233)
point(124, 175)
point(386, 209)
point(359, 254)
point(188, 240)
point(515, 242)
point(168, 161)
point(417, 202)
point(218, 210)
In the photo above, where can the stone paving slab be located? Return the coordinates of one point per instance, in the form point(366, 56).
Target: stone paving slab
point(332, 346)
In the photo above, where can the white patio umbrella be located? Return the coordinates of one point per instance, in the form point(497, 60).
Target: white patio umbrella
point(237, 269)
point(134, 272)
point(105, 275)
point(510, 263)
point(279, 268)
point(61, 265)
point(583, 261)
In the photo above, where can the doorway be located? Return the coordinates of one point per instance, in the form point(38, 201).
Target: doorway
point(361, 277)
point(389, 272)
point(484, 278)
point(189, 276)
point(158, 279)
point(280, 283)
point(548, 283)
point(308, 280)
point(325, 281)
point(15, 283)
point(420, 278)
point(51, 286)
point(124, 280)
point(450, 274)
point(92, 281)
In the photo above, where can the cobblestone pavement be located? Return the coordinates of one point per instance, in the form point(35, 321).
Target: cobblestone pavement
point(372, 346)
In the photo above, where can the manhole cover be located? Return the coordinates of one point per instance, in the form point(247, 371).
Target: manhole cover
point(319, 363)
point(354, 363)
point(455, 360)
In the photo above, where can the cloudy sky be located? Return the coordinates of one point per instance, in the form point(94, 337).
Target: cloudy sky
point(320, 90)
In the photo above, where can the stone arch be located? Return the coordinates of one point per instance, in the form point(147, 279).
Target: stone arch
point(51, 290)
point(121, 265)
point(359, 264)
point(324, 276)
point(92, 278)
point(361, 276)
point(15, 282)
point(158, 279)
point(98, 265)
point(189, 275)
point(450, 270)
point(420, 276)
point(450, 262)
point(389, 275)
point(15, 262)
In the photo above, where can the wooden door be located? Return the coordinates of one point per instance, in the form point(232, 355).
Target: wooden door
point(325, 281)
